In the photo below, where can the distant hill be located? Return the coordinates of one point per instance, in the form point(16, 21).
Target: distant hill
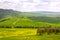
point(4, 13)
point(42, 16)
point(46, 12)
point(11, 13)
point(8, 13)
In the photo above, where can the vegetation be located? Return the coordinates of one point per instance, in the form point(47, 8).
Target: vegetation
point(25, 23)
point(25, 34)
point(48, 30)
point(29, 22)
point(16, 25)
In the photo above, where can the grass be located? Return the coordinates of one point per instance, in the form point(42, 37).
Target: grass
point(25, 34)
point(25, 22)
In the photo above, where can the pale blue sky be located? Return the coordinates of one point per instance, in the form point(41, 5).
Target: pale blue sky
point(31, 5)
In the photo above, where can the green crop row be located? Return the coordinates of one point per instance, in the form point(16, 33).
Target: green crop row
point(26, 23)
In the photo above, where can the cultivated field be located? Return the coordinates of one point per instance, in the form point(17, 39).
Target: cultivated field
point(25, 34)
point(16, 25)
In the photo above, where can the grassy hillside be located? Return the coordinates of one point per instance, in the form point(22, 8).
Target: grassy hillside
point(25, 23)
point(16, 25)
point(46, 19)
point(11, 18)
point(4, 13)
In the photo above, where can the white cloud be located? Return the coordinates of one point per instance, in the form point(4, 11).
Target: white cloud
point(31, 5)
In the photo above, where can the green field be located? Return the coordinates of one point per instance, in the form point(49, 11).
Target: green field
point(16, 25)
point(25, 28)
point(25, 34)
point(27, 23)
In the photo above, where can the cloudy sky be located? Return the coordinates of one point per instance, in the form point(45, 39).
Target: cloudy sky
point(31, 5)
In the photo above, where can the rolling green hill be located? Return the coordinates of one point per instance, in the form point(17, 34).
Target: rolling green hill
point(25, 23)
point(10, 18)
point(4, 13)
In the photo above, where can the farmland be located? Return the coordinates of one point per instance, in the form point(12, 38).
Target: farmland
point(25, 29)
point(26, 22)
point(25, 34)
point(16, 25)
